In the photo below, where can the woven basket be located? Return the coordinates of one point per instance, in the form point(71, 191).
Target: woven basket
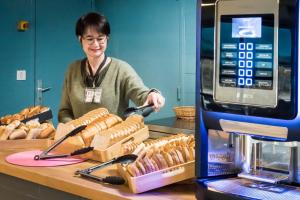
point(185, 112)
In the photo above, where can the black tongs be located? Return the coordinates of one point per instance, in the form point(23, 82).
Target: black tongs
point(44, 155)
point(145, 110)
point(115, 180)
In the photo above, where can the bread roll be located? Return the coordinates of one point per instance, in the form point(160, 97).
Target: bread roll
point(34, 111)
point(141, 167)
point(44, 109)
point(2, 129)
point(24, 127)
point(33, 124)
point(133, 170)
point(33, 133)
point(24, 112)
point(17, 134)
point(46, 131)
point(14, 124)
point(6, 133)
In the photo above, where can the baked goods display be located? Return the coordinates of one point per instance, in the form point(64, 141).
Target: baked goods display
point(89, 117)
point(106, 132)
point(162, 153)
point(29, 130)
point(118, 132)
point(23, 114)
point(160, 162)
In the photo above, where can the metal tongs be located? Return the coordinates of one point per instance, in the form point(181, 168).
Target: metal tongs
point(115, 180)
point(145, 110)
point(44, 155)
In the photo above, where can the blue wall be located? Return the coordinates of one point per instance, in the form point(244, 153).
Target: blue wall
point(16, 52)
point(156, 37)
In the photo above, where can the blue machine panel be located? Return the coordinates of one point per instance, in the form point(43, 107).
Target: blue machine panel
point(245, 63)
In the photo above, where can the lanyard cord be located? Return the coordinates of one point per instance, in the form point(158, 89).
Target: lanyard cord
point(91, 79)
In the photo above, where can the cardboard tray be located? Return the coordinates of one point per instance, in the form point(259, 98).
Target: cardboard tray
point(159, 178)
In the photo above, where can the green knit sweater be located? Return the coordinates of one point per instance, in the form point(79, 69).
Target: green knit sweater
point(120, 84)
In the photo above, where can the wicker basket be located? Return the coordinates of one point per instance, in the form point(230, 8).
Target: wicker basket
point(185, 112)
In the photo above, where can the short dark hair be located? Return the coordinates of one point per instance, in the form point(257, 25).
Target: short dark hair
point(94, 20)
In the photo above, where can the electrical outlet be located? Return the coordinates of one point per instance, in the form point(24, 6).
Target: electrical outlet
point(21, 75)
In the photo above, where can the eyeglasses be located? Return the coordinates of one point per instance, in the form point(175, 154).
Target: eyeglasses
point(90, 40)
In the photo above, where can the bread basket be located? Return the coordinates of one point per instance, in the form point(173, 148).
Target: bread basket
point(185, 112)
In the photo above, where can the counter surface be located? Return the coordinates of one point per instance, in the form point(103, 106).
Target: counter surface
point(172, 125)
point(62, 178)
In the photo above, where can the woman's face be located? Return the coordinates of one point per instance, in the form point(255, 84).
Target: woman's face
point(93, 43)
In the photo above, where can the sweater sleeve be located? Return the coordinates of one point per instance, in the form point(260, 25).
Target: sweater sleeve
point(134, 87)
point(65, 113)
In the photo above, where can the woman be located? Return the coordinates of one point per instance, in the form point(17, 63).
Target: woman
point(99, 80)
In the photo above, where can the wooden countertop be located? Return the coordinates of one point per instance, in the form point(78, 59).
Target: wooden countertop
point(62, 178)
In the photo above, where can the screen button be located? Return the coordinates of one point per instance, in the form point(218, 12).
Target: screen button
point(229, 63)
point(260, 73)
point(228, 72)
point(242, 46)
point(263, 83)
point(229, 55)
point(229, 46)
point(241, 81)
point(249, 73)
point(241, 72)
point(241, 63)
point(249, 55)
point(249, 82)
point(242, 55)
point(228, 82)
point(249, 64)
point(263, 55)
point(250, 46)
point(263, 46)
point(265, 65)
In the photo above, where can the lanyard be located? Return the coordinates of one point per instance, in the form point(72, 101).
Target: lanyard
point(92, 80)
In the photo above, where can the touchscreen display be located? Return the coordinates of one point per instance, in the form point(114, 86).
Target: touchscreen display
point(247, 51)
point(246, 27)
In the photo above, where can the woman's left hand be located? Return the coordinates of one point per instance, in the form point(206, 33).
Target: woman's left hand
point(157, 99)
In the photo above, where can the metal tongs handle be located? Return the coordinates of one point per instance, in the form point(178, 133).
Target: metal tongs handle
point(109, 179)
point(96, 167)
point(44, 155)
point(145, 110)
point(145, 106)
point(115, 180)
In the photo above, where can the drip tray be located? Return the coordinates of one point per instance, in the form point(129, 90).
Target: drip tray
point(254, 189)
point(265, 176)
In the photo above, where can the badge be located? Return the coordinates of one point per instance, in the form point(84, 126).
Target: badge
point(97, 95)
point(92, 95)
point(88, 95)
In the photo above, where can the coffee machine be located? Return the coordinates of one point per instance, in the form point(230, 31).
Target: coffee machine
point(248, 97)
